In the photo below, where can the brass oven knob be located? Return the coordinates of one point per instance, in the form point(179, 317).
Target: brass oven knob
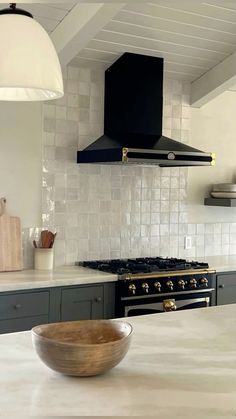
point(158, 286)
point(145, 286)
point(204, 281)
point(193, 283)
point(170, 285)
point(181, 283)
point(132, 288)
point(169, 305)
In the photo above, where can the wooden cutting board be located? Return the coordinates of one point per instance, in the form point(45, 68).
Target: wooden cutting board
point(10, 241)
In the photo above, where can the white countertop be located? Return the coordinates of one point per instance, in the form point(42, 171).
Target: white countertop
point(77, 275)
point(180, 364)
point(67, 275)
point(220, 263)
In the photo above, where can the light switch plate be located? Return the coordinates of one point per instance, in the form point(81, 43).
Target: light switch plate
point(187, 242)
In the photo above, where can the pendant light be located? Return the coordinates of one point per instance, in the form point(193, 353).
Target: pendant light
point(29, 65)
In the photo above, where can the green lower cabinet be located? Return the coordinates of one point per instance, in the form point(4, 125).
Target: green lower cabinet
point(226, 288)
point(88, 302)
point(22, 310)
point(82, 303)
point(21, 324)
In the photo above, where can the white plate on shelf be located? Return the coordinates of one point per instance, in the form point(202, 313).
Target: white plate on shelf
point(231, 195)
point(224, 187)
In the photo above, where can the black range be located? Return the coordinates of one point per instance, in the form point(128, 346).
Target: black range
point(155, 284)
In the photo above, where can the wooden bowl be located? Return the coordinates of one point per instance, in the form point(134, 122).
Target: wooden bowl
point(82, 348)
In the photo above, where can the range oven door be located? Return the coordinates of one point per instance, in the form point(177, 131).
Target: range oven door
point(166, 303)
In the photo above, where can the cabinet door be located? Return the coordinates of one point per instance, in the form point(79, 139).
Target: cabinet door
point(226, 289)
point(82, 303)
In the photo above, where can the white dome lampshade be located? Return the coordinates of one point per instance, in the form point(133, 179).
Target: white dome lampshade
point(29, 66)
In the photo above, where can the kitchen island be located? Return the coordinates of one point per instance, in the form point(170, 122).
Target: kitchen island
point(180, 364)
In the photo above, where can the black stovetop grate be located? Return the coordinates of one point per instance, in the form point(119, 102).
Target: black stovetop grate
point(143, 265)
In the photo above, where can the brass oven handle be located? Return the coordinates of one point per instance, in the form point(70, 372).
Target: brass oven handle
point(169, 305)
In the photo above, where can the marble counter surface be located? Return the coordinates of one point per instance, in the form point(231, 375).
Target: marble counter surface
point(220, 263)
point(180, 364)
point(77, 275)
point(67, 275)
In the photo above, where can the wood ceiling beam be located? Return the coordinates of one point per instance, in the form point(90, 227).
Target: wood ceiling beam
point(81, 24)
point(214, 82)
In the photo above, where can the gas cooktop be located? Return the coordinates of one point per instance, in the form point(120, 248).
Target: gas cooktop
point(143, 265)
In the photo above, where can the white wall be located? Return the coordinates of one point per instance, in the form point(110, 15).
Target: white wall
point(21, 160)
point(213, 129)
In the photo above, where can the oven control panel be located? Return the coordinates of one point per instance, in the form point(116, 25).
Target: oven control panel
point(149, 286)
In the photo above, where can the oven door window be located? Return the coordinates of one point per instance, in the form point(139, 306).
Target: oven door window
point(166, 306)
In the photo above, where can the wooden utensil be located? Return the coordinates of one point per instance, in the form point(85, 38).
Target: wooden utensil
point(10, 241)
point(53, 239)
point(47, 239)
point(50, 239)
point(44, 235)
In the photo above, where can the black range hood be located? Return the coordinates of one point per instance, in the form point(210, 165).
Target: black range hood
point(133, 119)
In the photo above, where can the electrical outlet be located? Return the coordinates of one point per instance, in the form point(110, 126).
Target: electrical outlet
point(187, 242)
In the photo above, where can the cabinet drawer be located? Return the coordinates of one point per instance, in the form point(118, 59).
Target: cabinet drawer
point(18, 325)
point(24, 305)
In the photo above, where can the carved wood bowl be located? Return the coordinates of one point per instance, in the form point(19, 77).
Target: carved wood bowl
point(82, 348)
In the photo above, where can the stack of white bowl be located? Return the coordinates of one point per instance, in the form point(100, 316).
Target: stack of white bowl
point(224, 190)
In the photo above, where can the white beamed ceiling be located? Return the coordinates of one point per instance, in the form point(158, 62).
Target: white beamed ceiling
point(192, 36)
point(197, 39)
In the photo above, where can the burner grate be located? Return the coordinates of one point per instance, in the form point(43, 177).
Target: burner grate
point(143, 265)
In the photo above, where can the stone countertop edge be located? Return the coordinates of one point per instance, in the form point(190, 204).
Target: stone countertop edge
point(63, 276)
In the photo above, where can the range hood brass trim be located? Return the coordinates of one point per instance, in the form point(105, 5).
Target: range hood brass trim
point(213, 156)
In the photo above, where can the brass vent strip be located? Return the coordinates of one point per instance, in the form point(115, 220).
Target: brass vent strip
point(168, 274)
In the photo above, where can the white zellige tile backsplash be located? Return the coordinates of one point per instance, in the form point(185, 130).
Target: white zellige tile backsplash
point(117, 211)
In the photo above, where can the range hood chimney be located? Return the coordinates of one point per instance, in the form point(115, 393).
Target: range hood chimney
point(133, 119)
